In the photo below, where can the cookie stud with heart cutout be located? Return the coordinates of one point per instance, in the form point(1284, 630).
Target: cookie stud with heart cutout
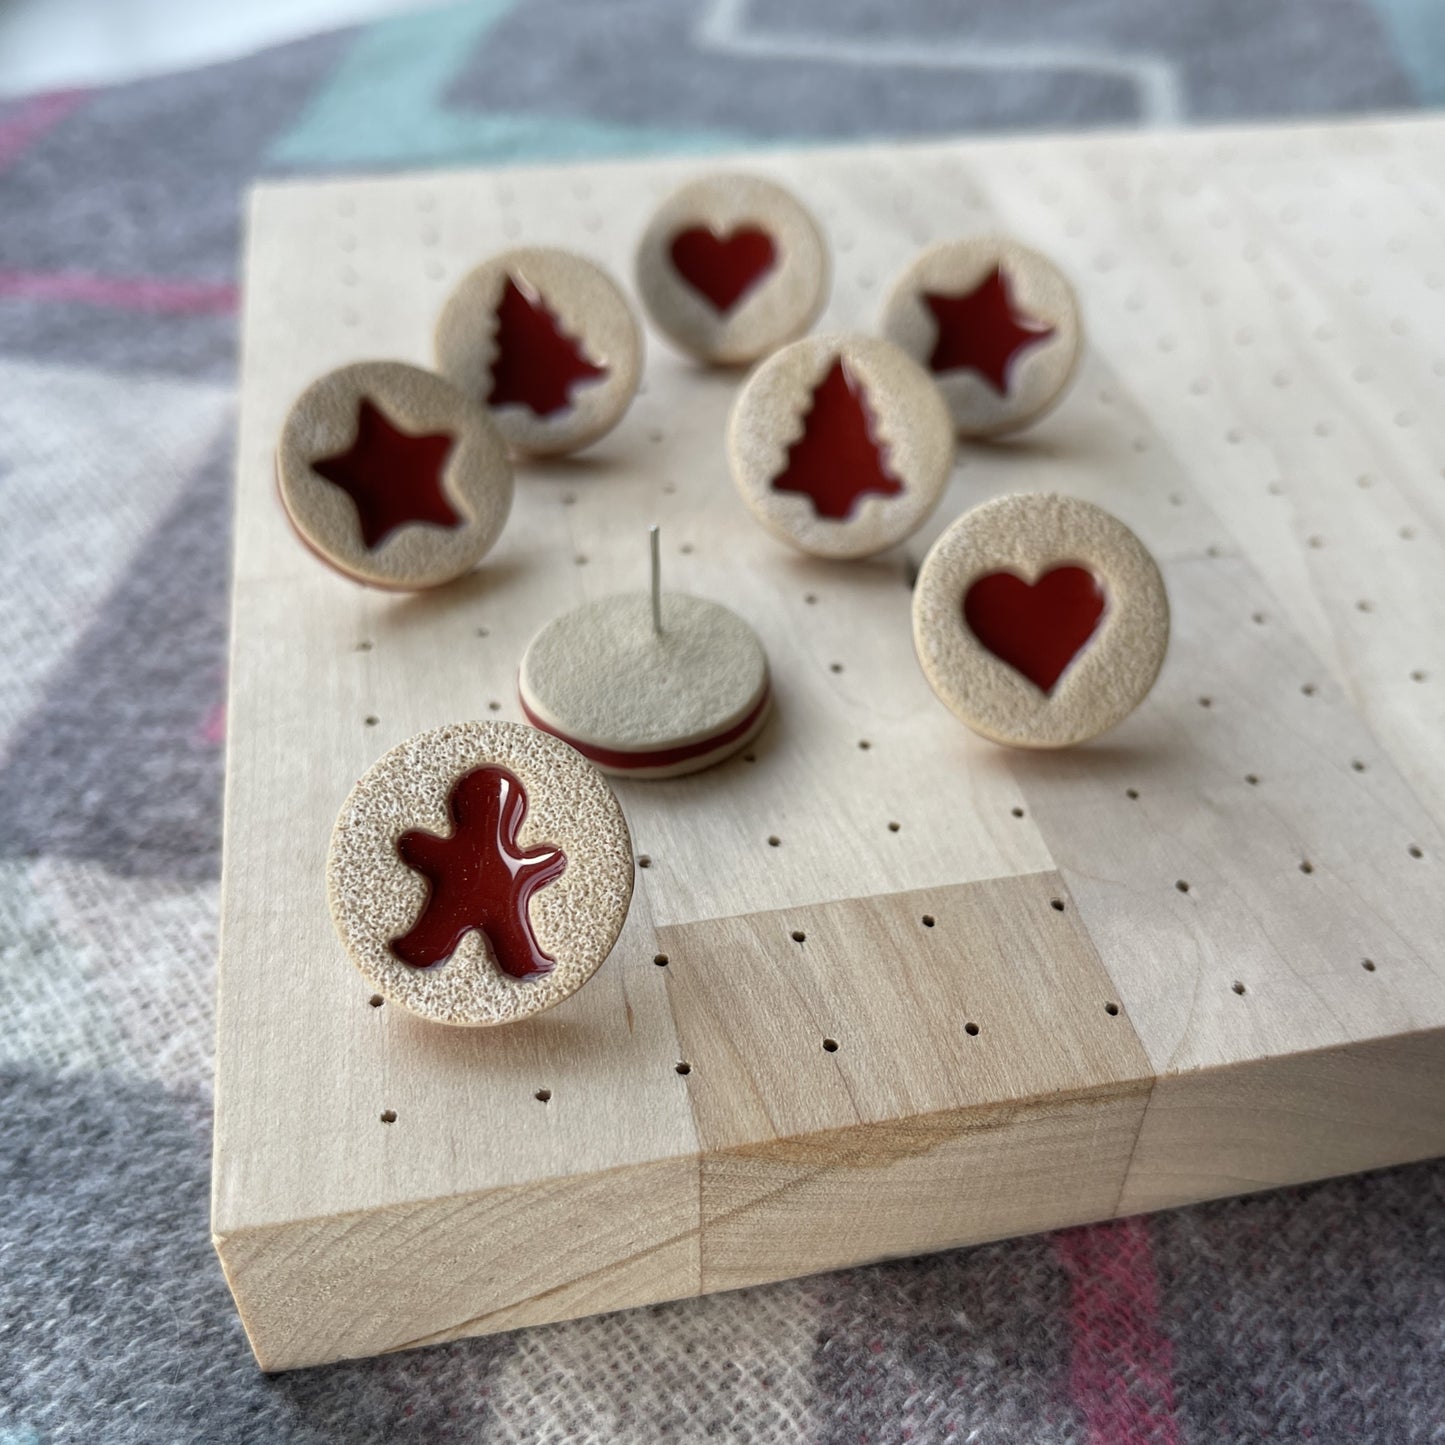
point(547, 343)
point(1040, 620)
point(840, 445)
point(996, 324)
point(391, 476)
point(479, 873)
point(732, 267)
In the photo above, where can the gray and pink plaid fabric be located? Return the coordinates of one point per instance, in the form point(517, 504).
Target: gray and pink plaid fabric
point(1308, 1314)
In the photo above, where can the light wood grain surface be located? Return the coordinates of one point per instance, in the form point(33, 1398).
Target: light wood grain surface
point(1259, 400)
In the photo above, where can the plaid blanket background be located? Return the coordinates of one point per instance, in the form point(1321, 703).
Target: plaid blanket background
point(1308, 1314)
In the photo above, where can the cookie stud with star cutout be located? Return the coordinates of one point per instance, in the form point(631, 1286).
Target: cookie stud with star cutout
point(731, 267)
point(546, 341)
point(391, 476)
point(840, 445)
point(1040, 620)
point(994, 322)
point(479, 873)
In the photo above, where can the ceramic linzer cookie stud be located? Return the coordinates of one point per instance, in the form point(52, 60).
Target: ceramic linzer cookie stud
point(732, 267)
point(997, 325)
point(1040, 620)
point(393, 477)
point(648, 685)
point(840, 445)
point(479, 873)
point(547, 342)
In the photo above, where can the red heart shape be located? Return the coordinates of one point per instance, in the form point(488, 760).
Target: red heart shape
point(723, 268)
point(1037, 628)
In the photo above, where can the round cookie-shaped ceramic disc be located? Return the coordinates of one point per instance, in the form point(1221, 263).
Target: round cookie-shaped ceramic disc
point(641, 703)
point(996, 324)
point(479, 872)
point(1040, 620)
point(392, 476)
point(732, 267)
point(547, 342)
point(840, 445)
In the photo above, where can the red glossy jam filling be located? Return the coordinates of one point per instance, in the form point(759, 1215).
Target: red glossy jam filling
point(392, 477)
point(1038, 628)
point(983, 331)
point(537, 364)
point(838, 460)
point(723, 269)
point(479, 877)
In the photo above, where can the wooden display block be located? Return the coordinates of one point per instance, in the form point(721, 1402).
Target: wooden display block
point(1198, 957)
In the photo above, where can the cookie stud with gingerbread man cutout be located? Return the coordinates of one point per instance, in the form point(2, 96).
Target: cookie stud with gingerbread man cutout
point(1040, 620)
point(840, 445)
point(731, 267)
point(391, 476)
point(547, 342)
point(994, 322)
point(479, 873)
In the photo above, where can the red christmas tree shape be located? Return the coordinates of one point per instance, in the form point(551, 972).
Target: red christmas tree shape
point(537, 364)
point(982, 331)
point(392, 476)
point(479, 877)
point(838, 459)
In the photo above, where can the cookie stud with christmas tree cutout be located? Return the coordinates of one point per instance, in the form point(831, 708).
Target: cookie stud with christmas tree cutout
point(391, 476)
point(479, 873)
point(547, 342)
point(994, 322)
point(731, 267)
point(840, 445)
point(648, 684)
point(1040, 620)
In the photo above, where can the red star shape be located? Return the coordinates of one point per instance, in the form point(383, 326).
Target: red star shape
point(480, 877)
point(393, 477)
point(982, 331)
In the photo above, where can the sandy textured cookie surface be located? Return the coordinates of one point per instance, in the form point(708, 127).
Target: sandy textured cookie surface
point(840, 445)
point(644, 703)
point(392, 476)
point(1040, 620)
point(547, 342)
point(732, 267)
point(994, 322)
point(479, 872)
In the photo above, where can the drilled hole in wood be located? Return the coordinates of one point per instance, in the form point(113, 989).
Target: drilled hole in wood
point(1364, 605)
point(1057, 904)
point(774, 841)
point(1258, 619)
point(1418, 675)
point(810, 598)
point(1017, 812)
point(750, 757)
point(1252, 779)
point(660, 959)
point(543, 1096)
point(1309, 689)
point(830, 1046)
point(894, 827)
point(1237, 986)
point(1306, 866)
point(643, 861)
point(799, 936)
point(1357, 765)
point(1131, 793)
point(580, 559)
point(376, 1000)
point(835, 667)
point(864, 744)
point(1368, 964)
point(371, 722)
point(388, 1116)
point(1182, 886)
point(484, 632)
point(929, 920)
point(971, 1029)
point(1206, 702)
point(683, 1067)
point(1112, 1009)
point(1415, 851)
point(494, 706)
point(363, 647)
point(569, 499)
